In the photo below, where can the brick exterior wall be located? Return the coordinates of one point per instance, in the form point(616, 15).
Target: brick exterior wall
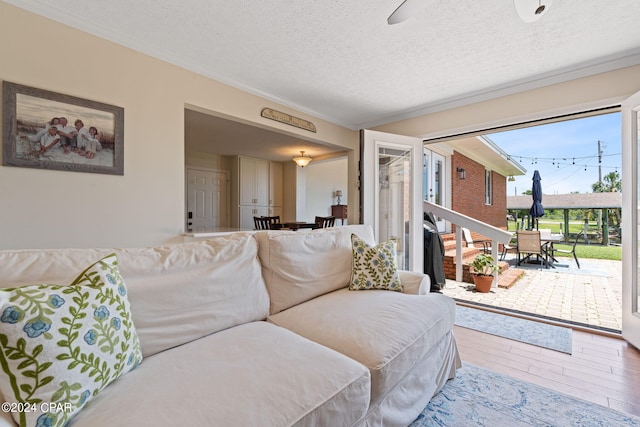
point(468, 195)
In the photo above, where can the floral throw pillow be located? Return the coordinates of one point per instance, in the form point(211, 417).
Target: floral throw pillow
point(61, 345)
point(374, 267)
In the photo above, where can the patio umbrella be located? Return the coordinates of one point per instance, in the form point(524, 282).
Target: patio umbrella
point(536, 210)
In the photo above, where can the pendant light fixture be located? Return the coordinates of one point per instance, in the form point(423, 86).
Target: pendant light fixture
point(302, 160)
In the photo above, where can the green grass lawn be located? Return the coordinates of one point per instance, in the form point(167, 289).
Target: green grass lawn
point(556, 226)
point(593, 251)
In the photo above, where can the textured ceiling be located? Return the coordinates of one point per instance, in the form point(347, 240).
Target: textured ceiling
point(339, 60)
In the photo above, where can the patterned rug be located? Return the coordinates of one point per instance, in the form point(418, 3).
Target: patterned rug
point(478, 397)
point(536, 333)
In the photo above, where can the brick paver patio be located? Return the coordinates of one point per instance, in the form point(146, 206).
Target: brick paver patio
point(589, 296)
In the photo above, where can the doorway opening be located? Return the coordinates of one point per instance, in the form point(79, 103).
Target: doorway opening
point(575, 155)
point(235, 170)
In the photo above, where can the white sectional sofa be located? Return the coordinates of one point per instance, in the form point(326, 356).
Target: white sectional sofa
point(248, 329)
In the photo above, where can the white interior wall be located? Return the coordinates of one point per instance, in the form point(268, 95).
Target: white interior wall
point(323, 178)
point(146, 206)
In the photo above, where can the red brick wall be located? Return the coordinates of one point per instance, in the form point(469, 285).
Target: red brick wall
point(467, 195)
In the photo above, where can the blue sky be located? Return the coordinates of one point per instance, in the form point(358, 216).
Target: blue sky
point(565, 153)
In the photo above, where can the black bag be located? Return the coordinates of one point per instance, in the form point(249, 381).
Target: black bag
point(433, 253)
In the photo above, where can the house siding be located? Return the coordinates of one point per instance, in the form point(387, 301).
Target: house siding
point(468, 195)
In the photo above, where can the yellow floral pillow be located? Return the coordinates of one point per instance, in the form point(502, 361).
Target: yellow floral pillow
point(374, 267)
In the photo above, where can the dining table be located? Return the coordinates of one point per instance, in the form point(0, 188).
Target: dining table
point(296, 225)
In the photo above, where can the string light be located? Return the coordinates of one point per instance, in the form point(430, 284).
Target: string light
point(582, 161)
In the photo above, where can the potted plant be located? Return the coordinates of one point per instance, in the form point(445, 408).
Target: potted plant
point(482, 268)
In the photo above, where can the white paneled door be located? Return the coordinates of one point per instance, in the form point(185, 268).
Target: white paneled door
point(391, 173)
point(207, 206)
point(630, 219)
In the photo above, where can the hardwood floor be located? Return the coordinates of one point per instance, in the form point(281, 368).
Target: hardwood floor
point(602, 369)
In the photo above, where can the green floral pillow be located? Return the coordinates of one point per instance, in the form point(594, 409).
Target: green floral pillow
point(374, 267)
point(61, 345)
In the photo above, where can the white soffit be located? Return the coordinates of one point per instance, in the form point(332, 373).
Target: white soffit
point(341, 61)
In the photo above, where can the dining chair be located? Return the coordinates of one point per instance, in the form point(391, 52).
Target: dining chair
point(529, 243)
point(325, 221)
point(265, 222)
point(571, 251)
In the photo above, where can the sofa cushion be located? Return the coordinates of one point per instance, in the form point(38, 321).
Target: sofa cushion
point(183, 292)
point(299, 266)
point(374, 267)
point(63, 344)
point(255, 374)
point(178, 292)
point(387, 331)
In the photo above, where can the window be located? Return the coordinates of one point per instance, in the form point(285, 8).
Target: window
point(488, 188)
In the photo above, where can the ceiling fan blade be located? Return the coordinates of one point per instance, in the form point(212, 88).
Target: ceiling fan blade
point(406, 10)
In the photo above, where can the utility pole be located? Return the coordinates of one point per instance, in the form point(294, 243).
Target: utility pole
point(599, 164)
point(599, 182)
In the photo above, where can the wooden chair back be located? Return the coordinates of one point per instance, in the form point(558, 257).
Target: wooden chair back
point(265, 222)
point(325, 221)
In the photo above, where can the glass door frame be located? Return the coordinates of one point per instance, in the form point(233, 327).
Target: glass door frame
point(431, 158)
point(370, 144)
point(630, 217)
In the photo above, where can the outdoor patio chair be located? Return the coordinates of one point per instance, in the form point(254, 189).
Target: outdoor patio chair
point(529, 243)
point(483, 245)
point(511, 246)
point(544, 232)
point(571, 251)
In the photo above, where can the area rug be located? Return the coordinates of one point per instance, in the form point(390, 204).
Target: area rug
point(527, 331)
point(479, 397)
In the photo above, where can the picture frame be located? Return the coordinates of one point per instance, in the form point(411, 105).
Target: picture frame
point(91, 140)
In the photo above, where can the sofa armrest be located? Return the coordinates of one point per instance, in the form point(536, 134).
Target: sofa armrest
point(5, 419)
point(415, 283)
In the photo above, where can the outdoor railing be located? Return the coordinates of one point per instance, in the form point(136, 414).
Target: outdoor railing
point(497, 235)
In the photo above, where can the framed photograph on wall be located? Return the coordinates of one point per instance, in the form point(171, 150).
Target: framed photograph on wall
point(48, 130)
